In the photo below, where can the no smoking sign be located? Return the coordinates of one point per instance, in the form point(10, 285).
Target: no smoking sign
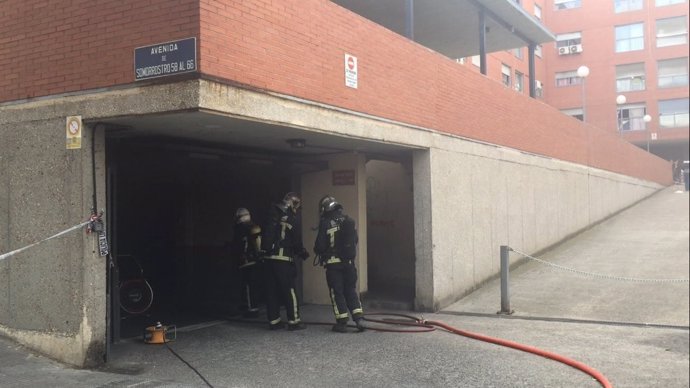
point(73, 132)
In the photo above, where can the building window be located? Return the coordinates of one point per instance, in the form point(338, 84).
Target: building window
point(505, 75)
point(567, 40)
point(566, 4)
point(537, 51)
point(476, 61)
point(537, 12)
point(661, 3)
point(631, 117)
point(671, 32)
point(630, 77)
point(519, 81)
point(538, 88)
point(518, 53)
point(630, 37)
point(627, 5)
point(673, 72)
point(567, 78)
point(570, 43)
point(576, 113)
point(673, 113)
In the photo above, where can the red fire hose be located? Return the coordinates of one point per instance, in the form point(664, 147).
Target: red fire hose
point(421, 325)
point(525, 348)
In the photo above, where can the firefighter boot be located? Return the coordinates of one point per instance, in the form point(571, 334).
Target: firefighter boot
point(359, 322)
point(340, 326)
point(296, 326)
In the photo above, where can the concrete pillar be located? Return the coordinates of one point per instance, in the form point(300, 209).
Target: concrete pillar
point(424, 269)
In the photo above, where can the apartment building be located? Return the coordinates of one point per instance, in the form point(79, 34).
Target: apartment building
point(621, 65)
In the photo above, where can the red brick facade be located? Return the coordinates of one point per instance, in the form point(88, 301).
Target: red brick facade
point(596, 21)
point(295, 47)
point(51, 47)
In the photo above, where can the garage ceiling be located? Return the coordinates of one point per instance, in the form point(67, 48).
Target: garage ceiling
point(242, 135)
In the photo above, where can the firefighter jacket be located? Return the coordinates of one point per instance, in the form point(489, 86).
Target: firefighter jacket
point(336, 239)
point(281, 237)
point(246, 244)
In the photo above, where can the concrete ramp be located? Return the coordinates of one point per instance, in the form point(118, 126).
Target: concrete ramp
point(621, 271)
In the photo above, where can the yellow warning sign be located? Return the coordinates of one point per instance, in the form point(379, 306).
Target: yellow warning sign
point(73, 131)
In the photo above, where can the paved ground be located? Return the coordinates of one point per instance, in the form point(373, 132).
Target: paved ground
point(635, 333)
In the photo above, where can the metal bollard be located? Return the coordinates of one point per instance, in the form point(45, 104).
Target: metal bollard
point(505, 270)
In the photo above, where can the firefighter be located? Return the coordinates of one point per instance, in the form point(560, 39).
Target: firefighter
point(246, 246)
point(281, 241)
point(336, 245)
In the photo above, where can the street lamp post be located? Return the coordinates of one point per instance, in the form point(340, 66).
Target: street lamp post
point(647, 119)
point(620, 100)
point(583, 72)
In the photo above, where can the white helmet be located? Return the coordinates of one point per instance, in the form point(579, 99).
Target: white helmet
point(242, 216)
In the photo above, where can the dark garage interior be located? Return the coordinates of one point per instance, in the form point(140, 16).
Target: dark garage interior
point(172, 203)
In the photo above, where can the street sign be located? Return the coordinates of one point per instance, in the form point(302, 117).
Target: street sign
point(164, 59)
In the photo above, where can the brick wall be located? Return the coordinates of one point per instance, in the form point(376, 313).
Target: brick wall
point(51, 46)
point(297, 47)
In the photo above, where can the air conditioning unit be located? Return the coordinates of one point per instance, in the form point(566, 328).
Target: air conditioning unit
point(576, 48)
point(564, 50)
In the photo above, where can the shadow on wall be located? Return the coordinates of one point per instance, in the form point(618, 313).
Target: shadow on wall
point(390, 229)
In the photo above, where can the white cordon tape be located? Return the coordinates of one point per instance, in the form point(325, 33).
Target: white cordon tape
point(14, 252)
point(598, 275)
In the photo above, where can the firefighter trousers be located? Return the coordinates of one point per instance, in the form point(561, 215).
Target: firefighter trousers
point(279, 281)
point(342, 280)
point(251, 292)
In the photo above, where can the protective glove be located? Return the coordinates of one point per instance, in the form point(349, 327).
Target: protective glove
point(303, 254)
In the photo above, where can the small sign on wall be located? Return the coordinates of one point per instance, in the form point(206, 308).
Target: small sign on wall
point(344, 178)
point(350, 71)
point(164, 59)
point(73, 132)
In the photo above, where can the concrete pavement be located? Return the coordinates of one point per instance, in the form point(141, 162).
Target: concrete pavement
point(597, 321)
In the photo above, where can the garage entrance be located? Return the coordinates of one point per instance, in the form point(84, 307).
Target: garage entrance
point(174, 182)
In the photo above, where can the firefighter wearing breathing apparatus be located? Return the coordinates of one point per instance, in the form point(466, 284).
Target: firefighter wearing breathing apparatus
point(246, 245)
point(281, 241)
point(336, 245)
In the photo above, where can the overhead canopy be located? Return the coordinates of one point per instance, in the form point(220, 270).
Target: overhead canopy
point(451, 27)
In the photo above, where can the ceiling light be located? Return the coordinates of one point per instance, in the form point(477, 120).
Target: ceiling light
point(297, 143)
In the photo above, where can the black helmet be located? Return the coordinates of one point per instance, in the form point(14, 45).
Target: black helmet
point(242, 216)
point(292, 201)
point(328, 204)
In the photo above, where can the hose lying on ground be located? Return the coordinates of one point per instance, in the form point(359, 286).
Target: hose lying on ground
point(525, 348)
point(421, 325)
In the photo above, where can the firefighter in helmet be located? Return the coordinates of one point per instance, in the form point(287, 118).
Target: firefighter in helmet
point(336, 245)
point(281, 241)
point(246, 246)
